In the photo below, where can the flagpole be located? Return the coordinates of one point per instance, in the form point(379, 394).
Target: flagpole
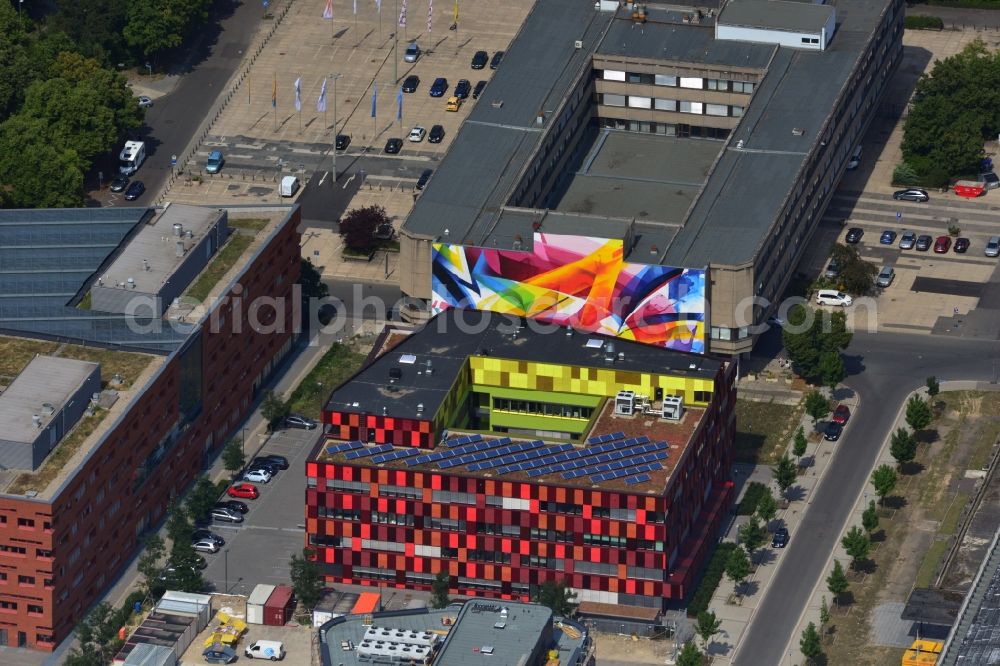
point(395, 45)
point(380, 21)
point(335, 125)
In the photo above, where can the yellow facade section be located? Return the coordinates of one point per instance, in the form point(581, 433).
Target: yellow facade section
point(606, 382)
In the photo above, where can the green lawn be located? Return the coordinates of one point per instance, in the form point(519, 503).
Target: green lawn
point(763, 430)
point(219, 266)
point(253, 224)
point(340, 362)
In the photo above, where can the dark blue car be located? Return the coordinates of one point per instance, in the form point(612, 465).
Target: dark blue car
point(134, 190)
point(463, 89)
point(888, 237)
point(439, 87)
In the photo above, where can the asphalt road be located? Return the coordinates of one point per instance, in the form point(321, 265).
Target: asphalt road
point(174, 119)
point(884, 369)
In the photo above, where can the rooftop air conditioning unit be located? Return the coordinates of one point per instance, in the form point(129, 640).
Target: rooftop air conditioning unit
point(625, 403)
point(578, 44)
point(673, 407)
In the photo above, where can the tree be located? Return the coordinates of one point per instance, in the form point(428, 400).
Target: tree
point(884, 481)
point(737, 567)
point(307, 581)
point(312, 281)
point(869, 519)
point(837, 582)
point(233, 457)
point(556, 596)
point(273, 409)
point(689, 655)
point(799, 445)
point(358, 227)
point(817, 406)
point(440, 589)
point(156, 26)
point(918, 413)
point(97, 635)
point(767, 509)
point(784, 473)
point(202, 499)
point(809, 333)
point(36, 172)
point(706, 627)
point(933, 387)
point(809, 643)
point(903, 446)
point(857, 544)
point(149, 563)
point(824, 613)
point(182, 572)
point(752, 535)
point(831, 368)
point(856, 275)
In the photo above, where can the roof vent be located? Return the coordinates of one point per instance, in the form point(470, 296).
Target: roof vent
point(499, 625)
point(95, 397)
point(497, 104)
point(178, 229)
point(395, 373)
point(131, 283)
point(145, 264)
point(739, 145)
point(48, 409)
point(37, 420)
point(385, 410)
point(693, 366)
point(578, 44)
point(487, 649)
point(179, 248)
point(798, 131)
point(420, 408)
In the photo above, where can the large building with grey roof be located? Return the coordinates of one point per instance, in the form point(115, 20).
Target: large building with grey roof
point(668, 142)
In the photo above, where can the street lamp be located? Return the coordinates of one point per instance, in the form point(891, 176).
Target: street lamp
point(149, 68)
point(243, 444)
point(335, 77)
point(225, 553)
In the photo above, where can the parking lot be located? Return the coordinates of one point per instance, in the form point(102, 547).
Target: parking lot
point(258, 550)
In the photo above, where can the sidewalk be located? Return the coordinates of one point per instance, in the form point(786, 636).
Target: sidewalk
point(815, 462)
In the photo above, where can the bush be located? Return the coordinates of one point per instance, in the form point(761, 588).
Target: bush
point(923, 23)
point(710, 579)
point(954, 230)
point(904, 175)
point(748, 505)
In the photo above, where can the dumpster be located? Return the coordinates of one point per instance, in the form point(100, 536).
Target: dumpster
point(969, 189)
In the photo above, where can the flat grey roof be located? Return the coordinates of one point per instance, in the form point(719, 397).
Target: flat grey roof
point(150, 258)
point(45, 379)
point(665, 36)
point(975, 638)
point(776, 15)
point(477, 628)
point(741, 200)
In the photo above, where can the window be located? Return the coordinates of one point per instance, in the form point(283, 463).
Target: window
point(717, 84)
point(634, 77)
point(613, 100)
point(665, 104)
point(695, 82)
point(13, 550)
point(702, 396)
point(339, 514)
point(639, 102)
point(664, 80)
point(8, 605)
point(691, 107)
point(810, 40)
point(25, 522)
point(742, 87)
point(448, 497)
point(403, 492)
point(613, 75)
point(25, 580)
point(737, 111)
point(716, 110)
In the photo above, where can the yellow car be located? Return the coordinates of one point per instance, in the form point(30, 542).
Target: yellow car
point(453, 104)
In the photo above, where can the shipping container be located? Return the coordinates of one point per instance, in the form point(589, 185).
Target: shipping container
point(279, 606)
point(256, 601)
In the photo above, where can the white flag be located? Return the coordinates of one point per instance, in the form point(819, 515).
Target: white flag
point(321, 102)
point(402, 15)
point(355, 6)
point(298, 94)
point(378, 5)
point(328, 10)
point(430, 14)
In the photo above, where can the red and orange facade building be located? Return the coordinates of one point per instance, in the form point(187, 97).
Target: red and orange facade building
point(523, 457)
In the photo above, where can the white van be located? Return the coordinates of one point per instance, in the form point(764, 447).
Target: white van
point(289, 186)
point(272, 650)
point(833, 297)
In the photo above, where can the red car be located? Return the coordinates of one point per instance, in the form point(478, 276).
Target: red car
point(841, 414)
point(942, 244)
point(244, 491)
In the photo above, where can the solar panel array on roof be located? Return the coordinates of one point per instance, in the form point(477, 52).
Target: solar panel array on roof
point(555, 463)
point(461, 441)
point(459, 450)
point(628, 460)
point(395, 455)
point(596, 458)
point(618, 473)
point(486, 455)
point(362, 452)
point(641, 478)
point(344, 446)
point(601, 439)
point(521, 456)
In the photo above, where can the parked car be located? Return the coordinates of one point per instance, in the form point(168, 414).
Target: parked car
point(257, 476)
point(145, 102)
point(832, 431)
point(119, 183)
point(299, 421)
point(272, 650)
point(424, 177)
point(924, 242)
point(907, 240)
point(463, 88)
point(393, 146)
point(454, 104)
point(205, 546)
point(235, 505)
point(854, 235)
point(888, 237)
point(227, 516)
point(219, 654)
point(412, 53)
point(214, 162)
point(410, 83)
point(417, 134)
point(988, 177)
point(201, 533)
point(436, 135)
point(478, 90)
point(885, 277)
point(841, 414)
point(497, 57)
point(244, 491)
point(942, 244)
point(832, 269)
point(961, 245)
point(281, 462)
point(833, 297)
point(439, 87)
point(993, 246)
point(911, 194)
point(343, 141)
point(480, 59)
point(268, 469)
point(855, 160)
point(134, 190)
point(780, 538)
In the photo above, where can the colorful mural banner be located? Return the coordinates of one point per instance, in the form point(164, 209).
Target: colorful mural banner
point(577, 281)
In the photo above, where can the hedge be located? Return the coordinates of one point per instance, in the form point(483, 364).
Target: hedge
point(748, 505)
point(710, 579)
point(923, 23)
